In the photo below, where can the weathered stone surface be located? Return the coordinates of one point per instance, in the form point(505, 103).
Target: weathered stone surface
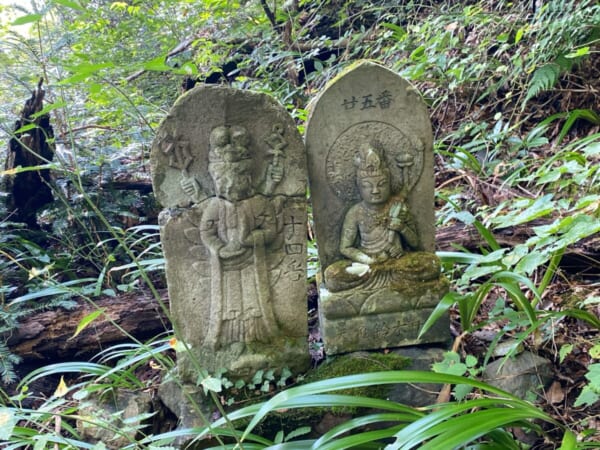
point(421, 394)
point(370, 159)
point(229, 166)
point(122, 415)
point(521, 375)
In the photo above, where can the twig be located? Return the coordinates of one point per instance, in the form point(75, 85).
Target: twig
point(269, 13)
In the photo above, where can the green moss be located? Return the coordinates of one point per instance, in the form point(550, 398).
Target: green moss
point(356, 363)
point(351, 364)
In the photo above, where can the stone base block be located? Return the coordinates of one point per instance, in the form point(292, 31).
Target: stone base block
point(381, 327)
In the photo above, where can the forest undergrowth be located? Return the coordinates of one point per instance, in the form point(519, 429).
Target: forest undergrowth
point(514, 95)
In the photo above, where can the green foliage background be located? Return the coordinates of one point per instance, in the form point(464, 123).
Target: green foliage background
point(513, 91)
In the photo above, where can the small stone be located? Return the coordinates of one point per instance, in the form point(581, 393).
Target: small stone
point(122, 410)
point(523, 374)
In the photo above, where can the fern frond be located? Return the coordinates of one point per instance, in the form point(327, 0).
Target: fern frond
point(543, 78)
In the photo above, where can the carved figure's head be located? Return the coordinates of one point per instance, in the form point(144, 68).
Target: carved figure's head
point(230, 164)
point(372, 174)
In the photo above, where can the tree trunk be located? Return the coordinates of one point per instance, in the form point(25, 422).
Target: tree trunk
point(29, 191)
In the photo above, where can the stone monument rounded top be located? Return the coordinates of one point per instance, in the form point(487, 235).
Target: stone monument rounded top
point(180, 152)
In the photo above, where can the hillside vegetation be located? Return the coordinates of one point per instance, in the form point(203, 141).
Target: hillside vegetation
point(514, 94)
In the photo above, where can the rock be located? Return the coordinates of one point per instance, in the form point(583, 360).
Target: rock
point(121, 413)
point(520, 375)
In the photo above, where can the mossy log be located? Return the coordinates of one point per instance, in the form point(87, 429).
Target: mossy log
point(49, 336)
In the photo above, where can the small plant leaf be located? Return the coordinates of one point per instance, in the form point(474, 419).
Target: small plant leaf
point(543, 78)
point(569, 441)
point(83, 323)
point(212, 384)
point(70, 4)
point(564, 351)
point(29, 18)
point(62, 388)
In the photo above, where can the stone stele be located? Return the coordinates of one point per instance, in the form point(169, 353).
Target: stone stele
point(370, 164)
point(229, 168)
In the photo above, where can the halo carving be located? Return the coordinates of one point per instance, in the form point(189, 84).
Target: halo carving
point(403, 155)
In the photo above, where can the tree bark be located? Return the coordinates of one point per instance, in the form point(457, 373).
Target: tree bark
point(30, 191)
point(49, 336)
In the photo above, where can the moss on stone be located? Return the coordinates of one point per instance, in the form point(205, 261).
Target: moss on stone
point(356, 363)
point(350, 364)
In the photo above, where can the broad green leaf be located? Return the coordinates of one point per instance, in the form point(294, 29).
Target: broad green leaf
point(464, 429)
point(157, 64)
point(583, 51)
point(49, 107)
point(29, 18)
point(519, 34)
point(24, 128)
point(278, 437)
point(212, 384)
point(576, 114)
point(517, 296)
point(41, 442)
point(301, 431)
point(569, 441)
point(587, 397)
point(83, 323)
point(440, 310)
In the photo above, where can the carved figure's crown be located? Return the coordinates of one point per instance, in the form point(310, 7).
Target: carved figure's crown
point(370, 161)
point(229, 144)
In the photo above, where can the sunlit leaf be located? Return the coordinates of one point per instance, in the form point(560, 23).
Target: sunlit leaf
point(83, 323)
point(62, 388)
point(29, 18)
point(212, 384)
point(70, 4)
point(8, 420)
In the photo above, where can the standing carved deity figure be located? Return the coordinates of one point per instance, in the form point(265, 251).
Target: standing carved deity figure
point(237, 225)
point(378, 234)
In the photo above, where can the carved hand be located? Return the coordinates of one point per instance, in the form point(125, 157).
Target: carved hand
point(381, 256)
point(275, 173)
point(191, 187)
point(231, 250)
point(396, 223)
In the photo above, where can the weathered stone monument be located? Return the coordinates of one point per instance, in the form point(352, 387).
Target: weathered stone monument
point(229, 168)
point(370, 161)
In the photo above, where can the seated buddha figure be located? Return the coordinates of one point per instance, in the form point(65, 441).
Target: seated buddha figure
point(378, 237)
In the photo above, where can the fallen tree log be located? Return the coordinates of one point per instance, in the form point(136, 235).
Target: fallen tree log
point(49, 336)
point(581, 257)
